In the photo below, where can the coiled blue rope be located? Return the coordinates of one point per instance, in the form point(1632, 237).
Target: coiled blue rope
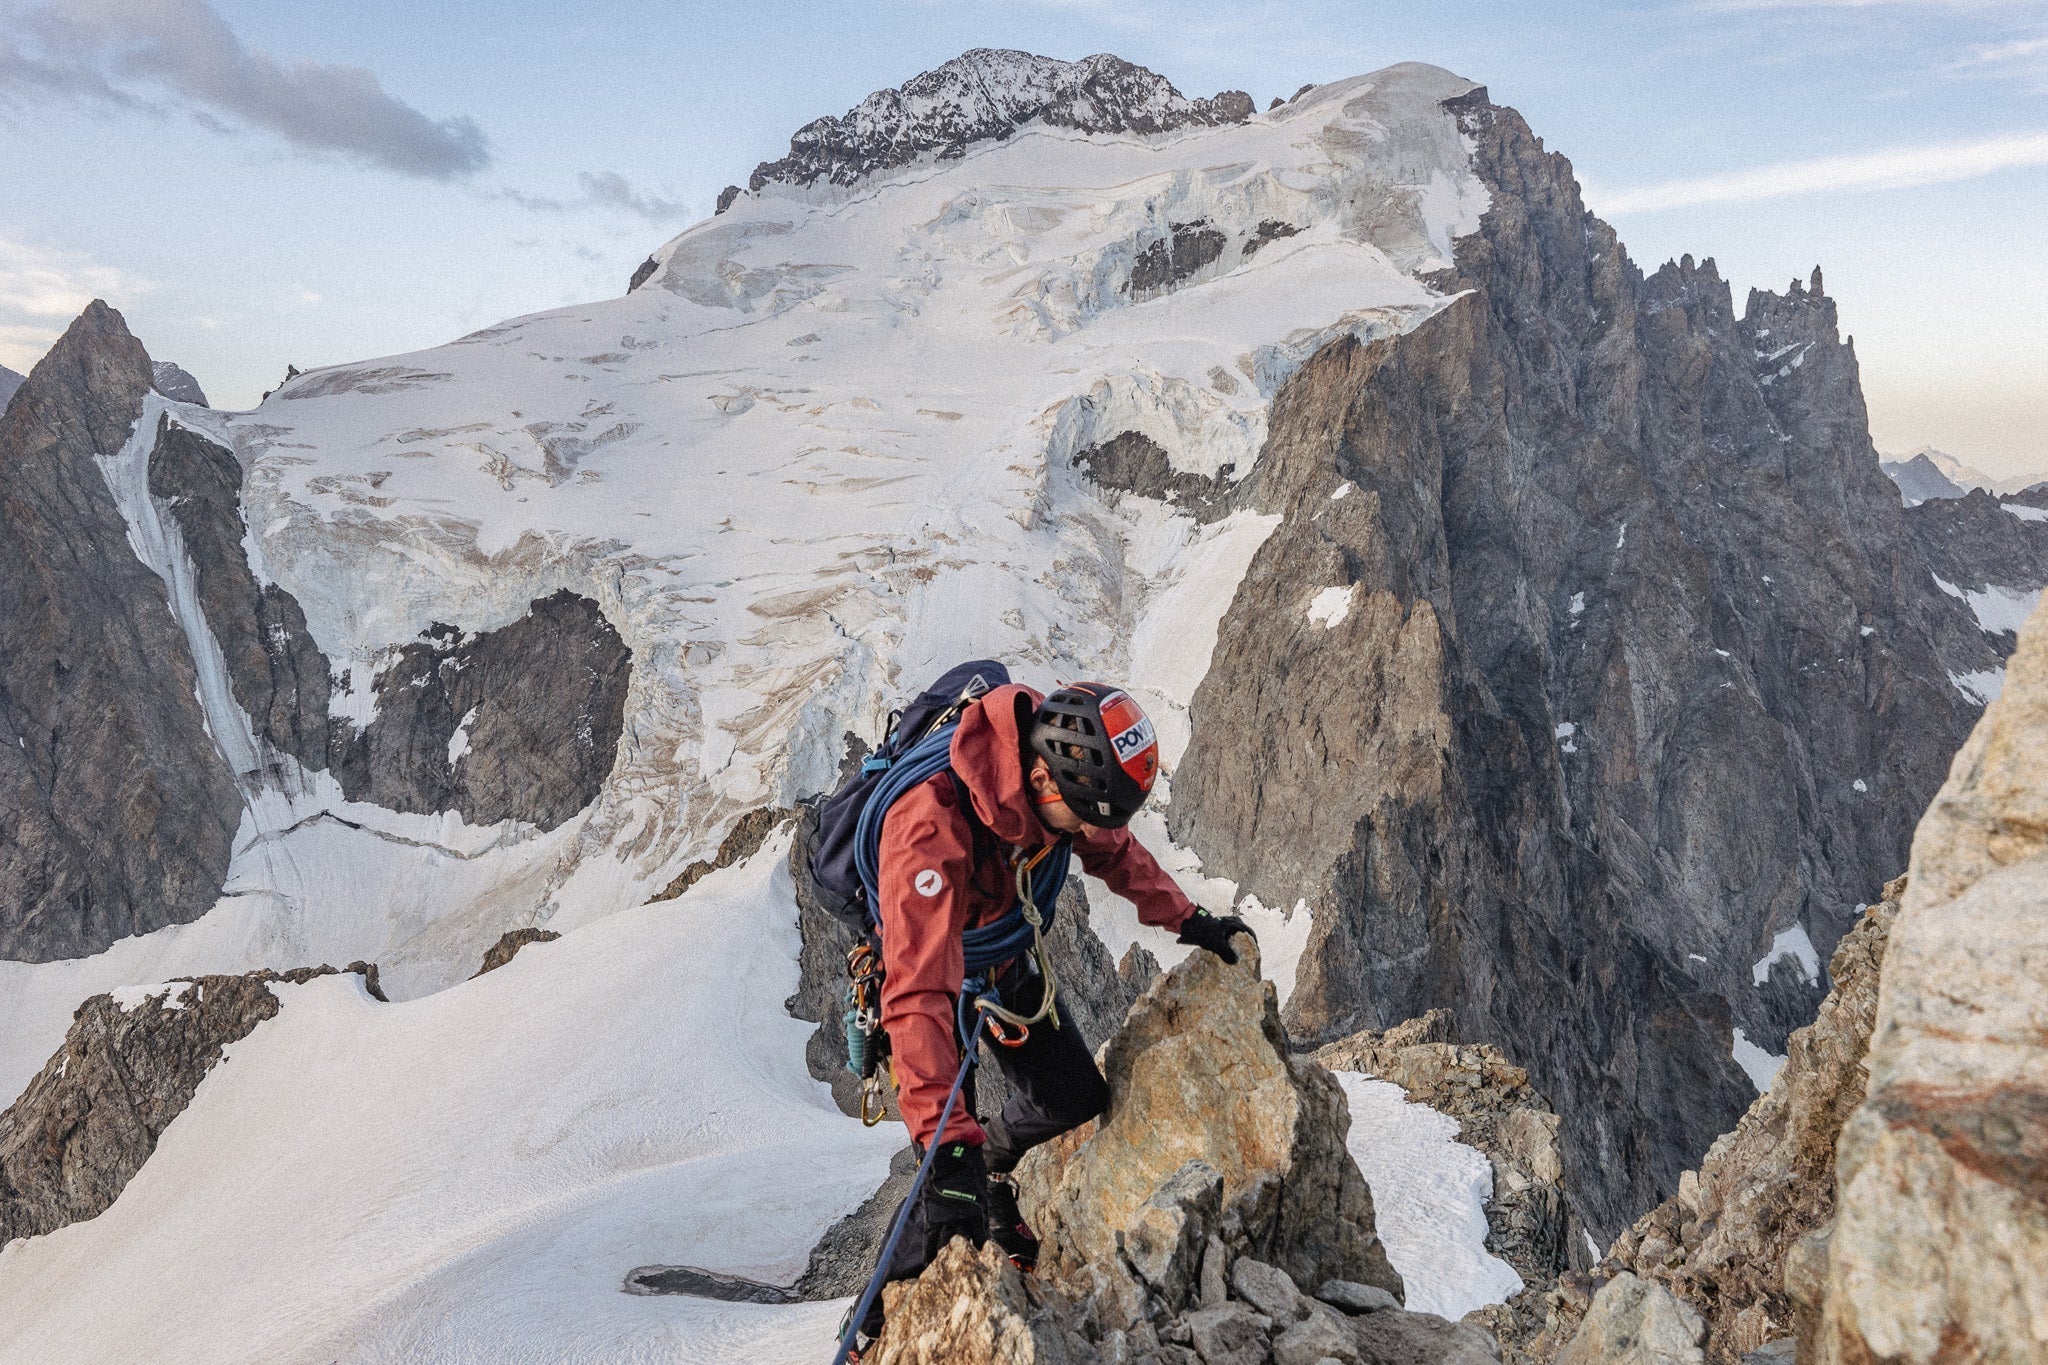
point(986, 945)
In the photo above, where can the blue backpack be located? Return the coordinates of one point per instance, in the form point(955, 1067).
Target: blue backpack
point(847, 855)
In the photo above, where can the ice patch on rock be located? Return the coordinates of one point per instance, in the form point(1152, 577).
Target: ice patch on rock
point(1329, 607)
point(1761, 1066)
point(1792, 943)
point(1429, 1194)
point(1981, 686)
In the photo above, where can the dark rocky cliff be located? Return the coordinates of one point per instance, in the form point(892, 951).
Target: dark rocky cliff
point(1984, 545)
point(518, 723)
point(117, 813)
point(279, 676)
point(1639, 668)
point(118, 809)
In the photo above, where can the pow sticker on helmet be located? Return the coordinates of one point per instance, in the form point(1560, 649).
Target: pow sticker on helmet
point(1131, 735)
point(929, 882)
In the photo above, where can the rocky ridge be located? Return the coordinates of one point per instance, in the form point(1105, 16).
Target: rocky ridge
point(128, 1067)
point(1499, 1113)
point(986, 95)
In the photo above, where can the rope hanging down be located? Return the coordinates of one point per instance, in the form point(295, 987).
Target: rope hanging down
point(924, 1170)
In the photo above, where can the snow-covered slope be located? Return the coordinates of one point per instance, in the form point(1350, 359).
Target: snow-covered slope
point(470, 1176)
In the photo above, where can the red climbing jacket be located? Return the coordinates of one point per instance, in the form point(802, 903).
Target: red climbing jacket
point(941, 876)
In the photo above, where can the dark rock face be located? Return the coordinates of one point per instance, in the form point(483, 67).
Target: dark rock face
point(508, 945)
point(1132, 462)
point(1981, 544)
point(987, 95)
point(172, 381)
point(1172, 259)
point(117, 813)
point(1268, 232)
point(1724, 1243)
point(1638, 667)
point(643, 272)
point(92, 1116)
point(278, 674)
point(539, 706)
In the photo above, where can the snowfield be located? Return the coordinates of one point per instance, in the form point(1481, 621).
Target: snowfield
point(470, 1176)
point(824, 452)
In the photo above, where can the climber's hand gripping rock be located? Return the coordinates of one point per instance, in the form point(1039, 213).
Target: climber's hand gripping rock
point(1214, 932)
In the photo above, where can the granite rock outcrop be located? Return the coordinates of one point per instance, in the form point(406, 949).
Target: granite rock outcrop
point(1939, 1247)
point(1213, 1214)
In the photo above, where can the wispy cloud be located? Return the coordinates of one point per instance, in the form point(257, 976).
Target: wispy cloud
point(601, 190)
point(2021, 51)
point(150, 52)
point(1889, 168)
point(41, 291)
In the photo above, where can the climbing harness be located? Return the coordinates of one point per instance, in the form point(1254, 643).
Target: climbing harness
point(924, 1170)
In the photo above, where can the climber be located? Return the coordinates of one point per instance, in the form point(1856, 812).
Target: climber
point(1025, 771)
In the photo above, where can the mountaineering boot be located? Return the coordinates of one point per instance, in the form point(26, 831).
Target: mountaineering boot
point(861, 1340)
point(1006, 1226)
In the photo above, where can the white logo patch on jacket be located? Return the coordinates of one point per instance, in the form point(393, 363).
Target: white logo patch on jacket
point(929, 882)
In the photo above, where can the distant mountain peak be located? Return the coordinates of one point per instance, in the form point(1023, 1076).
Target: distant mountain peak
point(985, 95)
point(176, 383)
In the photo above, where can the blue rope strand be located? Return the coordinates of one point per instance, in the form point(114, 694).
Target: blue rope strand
point(924, 1169)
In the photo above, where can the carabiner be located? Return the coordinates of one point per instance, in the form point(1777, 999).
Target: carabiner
point(995, 1030)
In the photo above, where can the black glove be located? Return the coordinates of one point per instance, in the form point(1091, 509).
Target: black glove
point(955, 1197)
point(1213, 932)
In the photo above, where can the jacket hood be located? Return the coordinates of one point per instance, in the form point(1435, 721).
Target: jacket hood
point(988, 754)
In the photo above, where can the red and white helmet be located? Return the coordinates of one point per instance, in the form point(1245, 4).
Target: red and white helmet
point(1101, 750)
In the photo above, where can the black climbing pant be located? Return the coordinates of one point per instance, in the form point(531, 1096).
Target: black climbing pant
point(1055, 1087)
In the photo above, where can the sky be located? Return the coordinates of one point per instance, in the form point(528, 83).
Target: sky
point(256, 185)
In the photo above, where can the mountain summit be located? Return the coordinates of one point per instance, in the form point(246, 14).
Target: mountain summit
point(987, 95)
